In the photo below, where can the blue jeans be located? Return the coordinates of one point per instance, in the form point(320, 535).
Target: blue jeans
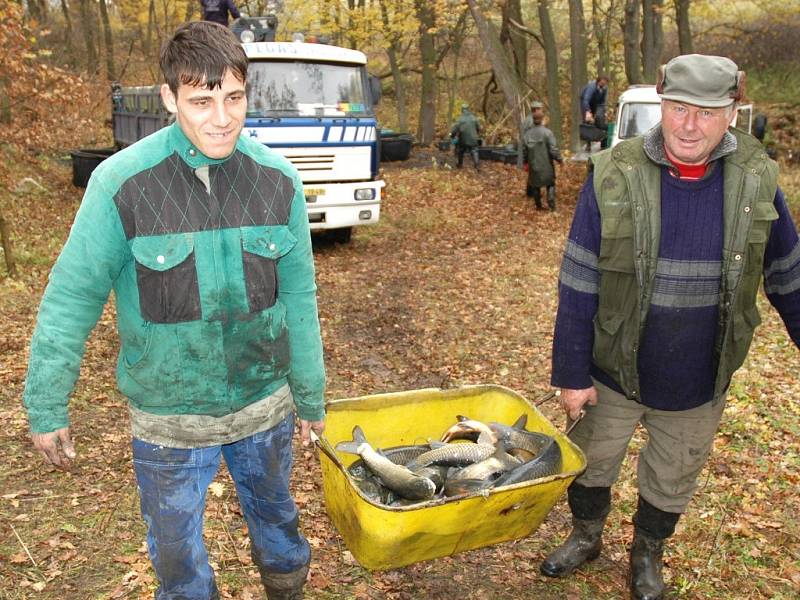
point(172, 487)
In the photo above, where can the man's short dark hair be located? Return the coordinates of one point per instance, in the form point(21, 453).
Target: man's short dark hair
point(200, 52)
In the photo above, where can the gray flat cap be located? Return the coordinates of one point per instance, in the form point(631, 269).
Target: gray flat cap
point(707, 81)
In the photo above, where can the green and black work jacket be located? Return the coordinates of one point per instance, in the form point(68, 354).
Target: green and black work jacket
point(212, 271)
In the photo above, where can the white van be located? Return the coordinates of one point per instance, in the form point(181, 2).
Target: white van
point(639, 109)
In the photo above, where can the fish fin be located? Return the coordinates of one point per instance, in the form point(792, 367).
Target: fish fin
point(434, 444)
point(349, 447)
point(462, 418)
point(358, 435)
point(521, 423)
point(487, 438)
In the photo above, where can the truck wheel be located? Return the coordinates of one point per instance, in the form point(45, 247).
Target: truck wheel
point(341, 235)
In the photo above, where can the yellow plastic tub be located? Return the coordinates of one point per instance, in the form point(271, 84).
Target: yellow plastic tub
point(381, 537)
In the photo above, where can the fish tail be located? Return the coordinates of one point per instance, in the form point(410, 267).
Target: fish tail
point(358, 435)
point(351, 447)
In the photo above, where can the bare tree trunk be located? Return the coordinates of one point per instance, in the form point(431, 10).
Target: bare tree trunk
point(5, 100)
point(577, 36)
point(67, 30)
point(189, 14)
point(87, 21)
point(602, 20)
point(633, 60)
point(426, 14)
point(684, 26)
point(111, 72)
point(551, 65)
point(397, 76)
point(652, 37)
point(504, 74)
point(151, 18)
point(5, 238)
point(512, 11)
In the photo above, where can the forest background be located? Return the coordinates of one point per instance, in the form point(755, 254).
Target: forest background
point(388, 323)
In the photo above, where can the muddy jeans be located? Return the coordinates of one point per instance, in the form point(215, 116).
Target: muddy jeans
point(172, 486)
point(677, 446)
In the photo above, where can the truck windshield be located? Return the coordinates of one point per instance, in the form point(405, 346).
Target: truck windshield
point(637, 118)
point(284, 88)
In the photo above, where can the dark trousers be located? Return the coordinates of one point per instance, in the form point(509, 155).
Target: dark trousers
point(473, 152)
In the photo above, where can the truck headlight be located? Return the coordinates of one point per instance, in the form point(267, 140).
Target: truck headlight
point(247, 36)
point(365, 194)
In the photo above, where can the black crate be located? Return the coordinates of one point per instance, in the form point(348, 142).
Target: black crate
point(85, 161)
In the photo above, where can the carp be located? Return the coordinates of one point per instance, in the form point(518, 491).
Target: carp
point(397, 478)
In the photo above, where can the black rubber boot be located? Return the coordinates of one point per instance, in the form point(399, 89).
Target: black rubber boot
point(537, 197)
point(551, 197)
point(647, 555)
point(284, 586)
point(590, 508)
point(583, 544)
point(651, 527)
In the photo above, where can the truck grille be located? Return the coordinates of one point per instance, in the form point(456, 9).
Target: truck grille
point(307, 163)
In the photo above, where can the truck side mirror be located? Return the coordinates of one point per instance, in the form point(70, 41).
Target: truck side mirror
point(375, 88)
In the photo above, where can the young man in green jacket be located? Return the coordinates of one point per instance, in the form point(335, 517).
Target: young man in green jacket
point(203, 236)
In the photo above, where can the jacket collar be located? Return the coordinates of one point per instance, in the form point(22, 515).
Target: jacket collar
point(654, 147)
point(189, 152)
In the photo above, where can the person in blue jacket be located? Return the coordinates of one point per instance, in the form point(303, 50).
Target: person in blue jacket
point(203, 236)
point(594, 97)
point(217, 11)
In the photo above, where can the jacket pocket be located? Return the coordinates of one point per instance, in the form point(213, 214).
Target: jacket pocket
point(616, 245)
point(167, 278)
point(764, 215)
point(262, 248)
point(607, 340)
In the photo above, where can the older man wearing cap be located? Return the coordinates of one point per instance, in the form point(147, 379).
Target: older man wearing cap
point(671, 236)
point(541, 151)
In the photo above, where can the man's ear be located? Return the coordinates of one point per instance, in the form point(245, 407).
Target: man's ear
point(169, 99)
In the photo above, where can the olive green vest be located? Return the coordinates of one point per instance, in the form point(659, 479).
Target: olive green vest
point(628, 189)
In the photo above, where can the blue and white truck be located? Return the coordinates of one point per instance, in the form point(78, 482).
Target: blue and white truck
point(314, 104)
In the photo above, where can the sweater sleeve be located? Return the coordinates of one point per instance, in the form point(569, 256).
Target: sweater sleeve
point(77, 290)
point(578, 286)
point(782, 268)
point(298, 293)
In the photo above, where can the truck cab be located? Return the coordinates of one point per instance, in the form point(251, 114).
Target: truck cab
point(639, 109)
point(314, 103)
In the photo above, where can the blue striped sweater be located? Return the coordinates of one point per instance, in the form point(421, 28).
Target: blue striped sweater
point(676, 358)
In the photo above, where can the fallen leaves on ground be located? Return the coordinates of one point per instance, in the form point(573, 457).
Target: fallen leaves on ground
point(455, 286)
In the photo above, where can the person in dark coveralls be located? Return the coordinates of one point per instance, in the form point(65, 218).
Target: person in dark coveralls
point(217, 11)
point(466, 132)
point(541, 151)
point(203, 236)
point(656, 314)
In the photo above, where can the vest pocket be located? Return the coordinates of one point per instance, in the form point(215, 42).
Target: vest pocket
point(262, 248)
point(616, 245)
point(167, 278)
point(606, 337)
point(764, 215)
